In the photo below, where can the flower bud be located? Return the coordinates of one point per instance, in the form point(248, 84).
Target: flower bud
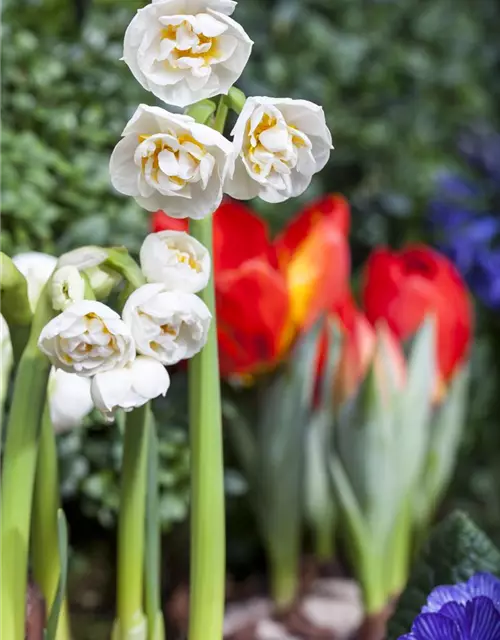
point(175, 259)
point(167, 325)
point(68, 287)
point(36, 268)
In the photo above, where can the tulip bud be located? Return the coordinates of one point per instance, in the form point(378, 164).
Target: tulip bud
point(362, 345)
point(129, 387)
point(68, 287)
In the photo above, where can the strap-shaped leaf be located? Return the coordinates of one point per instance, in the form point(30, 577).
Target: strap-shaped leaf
point(415, 409)
point(319, 499)
point(285, 406)
point(62, 536)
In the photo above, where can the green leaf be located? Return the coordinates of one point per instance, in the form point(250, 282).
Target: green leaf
point(62, 532)
point(455, 551)
point(445, 439)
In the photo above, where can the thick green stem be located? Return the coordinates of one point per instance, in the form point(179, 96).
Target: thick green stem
point(131, 622)
point(45, 539)
point(18, 476)
point(156, 625)
point(207, 481)
point(372, 578)
point(324, 538)
point(284, 575)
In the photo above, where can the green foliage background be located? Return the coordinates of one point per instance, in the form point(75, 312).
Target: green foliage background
point(398, 80)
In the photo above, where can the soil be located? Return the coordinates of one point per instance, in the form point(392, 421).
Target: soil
point(329, 608)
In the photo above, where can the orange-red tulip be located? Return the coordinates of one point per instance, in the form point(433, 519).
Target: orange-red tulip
point(268, 292)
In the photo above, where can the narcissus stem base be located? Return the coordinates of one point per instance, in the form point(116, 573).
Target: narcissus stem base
point(131, 622)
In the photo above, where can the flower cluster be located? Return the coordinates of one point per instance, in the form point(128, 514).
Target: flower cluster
point(465, 216)
point(120, 361)
point(467, 610)
point(186, 51)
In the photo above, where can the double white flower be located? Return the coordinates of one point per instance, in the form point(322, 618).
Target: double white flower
point(168, 161)
point(278, 145)
point(87, 338)
point(175, 259)
point(169, 326)
point(129, 387)
point(186, 50)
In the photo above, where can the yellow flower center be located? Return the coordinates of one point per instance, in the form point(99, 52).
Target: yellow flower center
point(202, 47)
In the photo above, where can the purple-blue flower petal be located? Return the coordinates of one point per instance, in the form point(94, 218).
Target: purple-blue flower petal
point(485, 584)
point(434, 626)
point(456, 612)
point(444, 594)
point(483, 619)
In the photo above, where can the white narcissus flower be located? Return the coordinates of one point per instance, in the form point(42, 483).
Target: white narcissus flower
point(37, 268)
point(131, 386)
point(186, 50)
point(176, 260)
point(167, 325)
point(87, 338)
point(168, 161)
point(69, 399)
point(279, 144)
point(68, 287)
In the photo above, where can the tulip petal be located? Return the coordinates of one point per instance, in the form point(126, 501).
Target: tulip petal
point(252, 310)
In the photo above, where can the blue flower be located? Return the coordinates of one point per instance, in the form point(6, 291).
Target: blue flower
point(465, 217)
point(465, 611)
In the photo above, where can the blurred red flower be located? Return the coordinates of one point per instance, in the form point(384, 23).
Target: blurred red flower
point(404, 287)
point(269, 292)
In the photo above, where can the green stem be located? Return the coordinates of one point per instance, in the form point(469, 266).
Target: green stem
point(156, 625)
point(324, 538)
point(221, 115)
point(207, 465)
point(131, 622)
point(371, 575)
point(284, 574)
point(18, 476)
point(45, 538)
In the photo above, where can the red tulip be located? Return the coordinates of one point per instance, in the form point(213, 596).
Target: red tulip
point(267, 293)
point(405, 287)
